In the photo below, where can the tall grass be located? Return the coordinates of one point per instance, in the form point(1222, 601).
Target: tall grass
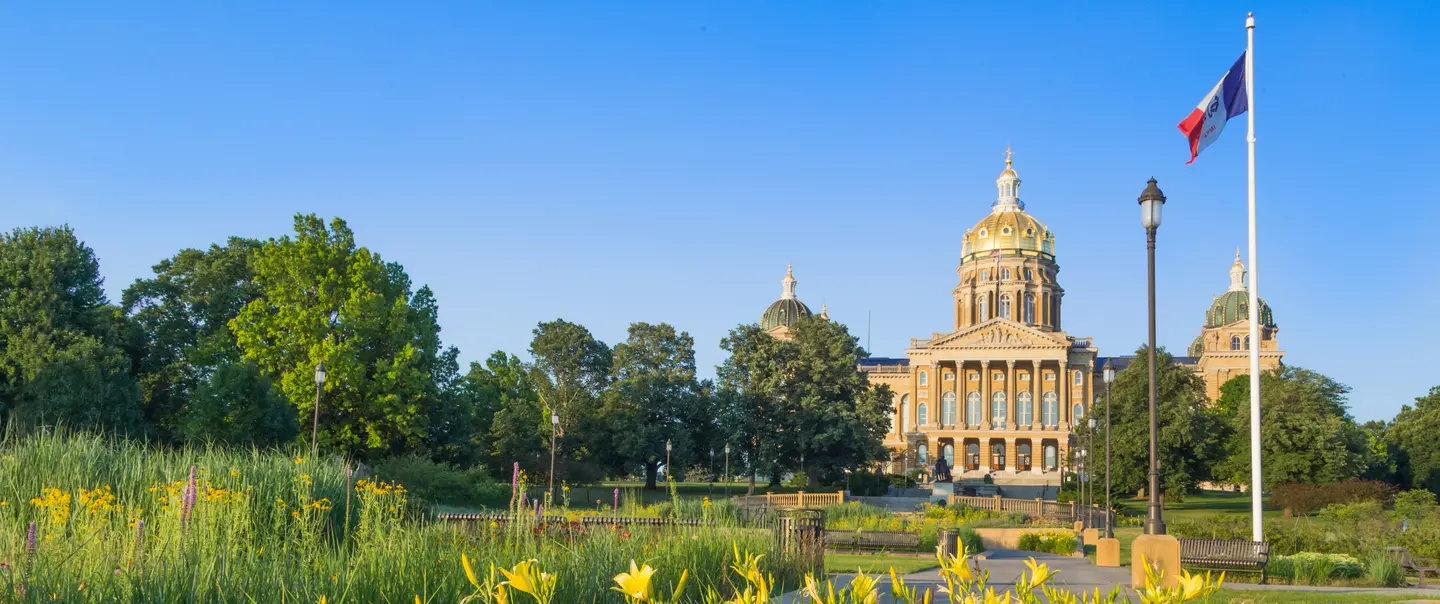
point(124, 521)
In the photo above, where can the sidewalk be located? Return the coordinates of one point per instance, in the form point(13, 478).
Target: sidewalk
point(1080, 575)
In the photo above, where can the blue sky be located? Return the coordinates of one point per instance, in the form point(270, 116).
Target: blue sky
point(618, 162)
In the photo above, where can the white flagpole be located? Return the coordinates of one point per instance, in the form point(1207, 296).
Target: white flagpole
point(1256, 481)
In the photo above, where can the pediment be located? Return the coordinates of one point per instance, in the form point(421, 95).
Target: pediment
point(999, 333)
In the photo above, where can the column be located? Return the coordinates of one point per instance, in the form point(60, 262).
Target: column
point(985, 387)
point(959, 402)
point(1062, 391)
point(1089, 386)
point(1036, 384)
point(1012, 388)
point(1011, 455)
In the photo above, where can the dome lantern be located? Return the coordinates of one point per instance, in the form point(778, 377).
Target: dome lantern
point(1008, 186)
point(786, 311)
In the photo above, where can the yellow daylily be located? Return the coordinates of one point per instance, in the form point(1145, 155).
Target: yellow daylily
point(469, 572)
point(635, 585)
point(527, 578)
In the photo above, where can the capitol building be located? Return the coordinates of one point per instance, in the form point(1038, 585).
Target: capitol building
point(1001, 391)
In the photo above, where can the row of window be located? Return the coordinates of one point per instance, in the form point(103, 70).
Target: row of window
point(999, 409)
point(1079, 377)
point(982, 308)
point(997, 456)
point(1005, 274)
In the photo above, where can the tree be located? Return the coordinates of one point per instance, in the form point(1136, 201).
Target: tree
point(570, 372)
point(652, 396)
point(327, 299)
point(1413, 434)
point(507, 424)
point(801, 403)
point(60, 340)
point(194, 383)
point(1306, 434)
point(1191, 436)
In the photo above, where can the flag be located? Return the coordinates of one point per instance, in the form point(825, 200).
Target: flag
point(1226, 100)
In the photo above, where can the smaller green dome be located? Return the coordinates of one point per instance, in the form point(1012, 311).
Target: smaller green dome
point(1233, 306)
point(785, 311)
point(1197, 348)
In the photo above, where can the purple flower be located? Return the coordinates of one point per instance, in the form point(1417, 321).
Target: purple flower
point(139, 535)
point(522, 499)
point(30, 538)
point(539, 513)
point(515, 477)
point(617, 499)
point(189, 503)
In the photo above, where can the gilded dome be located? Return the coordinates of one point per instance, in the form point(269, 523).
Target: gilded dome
point(788, 309)
point(1234, 306)
point(783, 312)
point(1008, 227)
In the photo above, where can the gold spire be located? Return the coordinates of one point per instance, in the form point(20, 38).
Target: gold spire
point(1008, 155)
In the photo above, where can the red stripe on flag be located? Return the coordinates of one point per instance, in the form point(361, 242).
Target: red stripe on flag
point(1191, 127)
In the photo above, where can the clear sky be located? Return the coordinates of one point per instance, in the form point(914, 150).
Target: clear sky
point(611, 162)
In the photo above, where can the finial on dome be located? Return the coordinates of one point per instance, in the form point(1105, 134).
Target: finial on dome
point(1237, 274)
point(1008, 155)
point(1009, 186)
point(824, 314)
point(787, 291)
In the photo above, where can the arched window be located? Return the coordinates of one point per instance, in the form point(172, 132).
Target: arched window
point(949, 453)
point(1030, 309)
point(1050, 410)
point(1247, 342)
point(984, 276)
point(1079, 379)
point(982, 309)
point(1077, 412)
point(972, 456)
point(922, 453)
point(924, 379)
point(1234, 342)
point(997, 408)
point(904, 410)
point(1005, 306)
point(1022, 459)
point(922, 414)
point(997, 456)
point(1004, 274)
point(1026, 409)
point(947, 409)
point(1050, 458)
point(972, 409)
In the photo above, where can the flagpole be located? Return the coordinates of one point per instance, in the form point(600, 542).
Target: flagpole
point(1256, 480)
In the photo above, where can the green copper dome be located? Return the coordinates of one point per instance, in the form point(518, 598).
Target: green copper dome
point(1234, 306)
point(785, 311)
point(1197, 348)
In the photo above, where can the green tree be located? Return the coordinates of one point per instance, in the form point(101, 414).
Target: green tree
point(194, 383)
point(801, 403)
point(652, 397)
point(327, 299)
point(506, 421)
point(1413, 434)
point(61, 358)
point(1191, 437)
point(570, 373)
point(1306, 434)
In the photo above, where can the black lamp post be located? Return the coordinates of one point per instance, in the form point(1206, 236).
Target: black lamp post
point(1109, 373)
point(554, 437)
point(315, 423)
point(1151, 202)
point(727, 469)
point(1093, 463)
point(712, 472)
point(667, 460)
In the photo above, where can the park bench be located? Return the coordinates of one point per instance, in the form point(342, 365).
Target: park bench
point(1223, 554)
point(871, 540)
point(1419, 566)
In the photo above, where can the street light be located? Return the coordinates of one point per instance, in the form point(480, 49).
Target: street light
point(1151, 202)
point(315, 423)
point(1090, 443)
point(727, 469)
point(554, 433)
point(1080, 469)
point(667, 460)
point(1109, 373)
point(712, 471)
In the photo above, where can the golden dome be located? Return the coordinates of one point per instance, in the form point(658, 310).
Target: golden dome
point(1010, 230)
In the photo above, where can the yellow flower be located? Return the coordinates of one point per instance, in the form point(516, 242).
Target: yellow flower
point(234, 472)
point(299, 460)
point(469, 571)
point(636, 583)
point(527, 578)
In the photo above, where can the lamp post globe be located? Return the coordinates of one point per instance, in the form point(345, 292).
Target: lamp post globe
point(1151, 202)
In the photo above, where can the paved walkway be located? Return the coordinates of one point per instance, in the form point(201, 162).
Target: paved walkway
point(1080, 575)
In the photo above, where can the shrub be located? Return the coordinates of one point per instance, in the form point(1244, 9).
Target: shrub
point(1352, 512)
point(798, 479)
point(1302, 498)
point(1314, 568)
point(867, 483)
point(438, 483)
point(1416, 503)
point(1212, 527)
point(1056, 542)
point(1383, 571)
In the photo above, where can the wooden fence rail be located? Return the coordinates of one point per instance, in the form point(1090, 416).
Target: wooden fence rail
point(1035, 508)
point(791, 500)
point(603, 520)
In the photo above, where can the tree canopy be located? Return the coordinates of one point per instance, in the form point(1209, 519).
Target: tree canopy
point(1414, 434)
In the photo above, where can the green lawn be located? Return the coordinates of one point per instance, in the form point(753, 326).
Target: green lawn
point(878, 564)
point(1200, 505)
point(1237, 596)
